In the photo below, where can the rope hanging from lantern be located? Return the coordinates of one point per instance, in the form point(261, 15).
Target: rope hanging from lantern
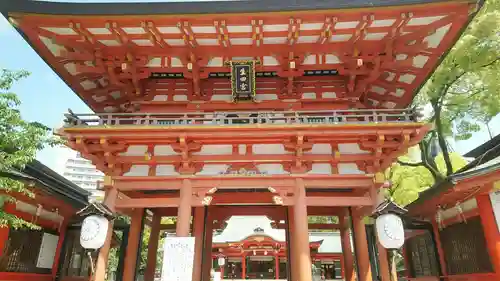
point(92, 264)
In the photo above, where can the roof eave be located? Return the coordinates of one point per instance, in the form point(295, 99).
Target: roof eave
point(197, 7)
point(57, 184)
point(450, 182)
point(483, 148)
point(475, 173)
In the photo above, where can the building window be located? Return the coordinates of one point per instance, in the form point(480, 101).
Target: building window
point(29, 251)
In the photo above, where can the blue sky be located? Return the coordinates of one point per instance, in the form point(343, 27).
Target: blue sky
point(45, 97)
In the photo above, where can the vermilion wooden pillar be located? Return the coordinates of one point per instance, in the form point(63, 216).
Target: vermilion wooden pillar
point(385, 273)
point(199, 224)
point(57, 256)
point(154, 238)
point(102, 259)
point(490, 229)
point(291, 245)
point(301, 235)
point(277, 267)
point(348, 260)
point(4, 237)
point(362, 255)
point(439, 248)
point(244, 267)
point(184, 211)
point(207, 257)
point(342, 268)
point(130, 263)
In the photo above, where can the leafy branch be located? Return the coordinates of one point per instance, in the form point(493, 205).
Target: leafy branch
point(19, 142)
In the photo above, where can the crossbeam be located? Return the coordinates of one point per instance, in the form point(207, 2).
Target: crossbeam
point(344, 201)
point(247, 158)
point(132, 183)
point(314, 226)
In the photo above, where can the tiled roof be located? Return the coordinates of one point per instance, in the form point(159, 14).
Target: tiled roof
point(50, 182)
point(487, 167)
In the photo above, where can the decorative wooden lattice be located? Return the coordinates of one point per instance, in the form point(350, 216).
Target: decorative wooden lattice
point(21, 252)
point(421, 251)
point(464, 248)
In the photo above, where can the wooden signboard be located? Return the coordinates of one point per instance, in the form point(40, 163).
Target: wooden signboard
point(243, 80)
point(178, 258)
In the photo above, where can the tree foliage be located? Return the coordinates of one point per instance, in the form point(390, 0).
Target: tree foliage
point(19, 142)
point(464, 89)
point(322, 219)
point(113, 259)
point(408, 181)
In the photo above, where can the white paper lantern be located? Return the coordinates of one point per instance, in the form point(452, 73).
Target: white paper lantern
point(390, 231)
point(94, 232)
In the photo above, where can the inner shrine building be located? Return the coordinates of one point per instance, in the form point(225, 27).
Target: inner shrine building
point(207, 110)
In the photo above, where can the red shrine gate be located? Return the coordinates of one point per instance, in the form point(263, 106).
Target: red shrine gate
point(305, 129)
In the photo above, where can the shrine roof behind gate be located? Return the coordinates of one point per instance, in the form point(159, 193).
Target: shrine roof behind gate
point(239, 228)
point(377, 53)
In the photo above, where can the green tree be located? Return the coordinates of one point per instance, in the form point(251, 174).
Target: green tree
point(464, 89)
point(19, 142)
point(408, 181)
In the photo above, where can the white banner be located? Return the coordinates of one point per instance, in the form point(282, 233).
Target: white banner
point(178, 258)
point(495, 203)
point(47, 252)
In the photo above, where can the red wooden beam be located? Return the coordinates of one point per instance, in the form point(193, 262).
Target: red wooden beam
point(48, 202)
point(242, 198)
point(315, 226)
point(159, 202)
point(129, 183)
point(237, 158)
point(260, 131)
point(225, 212)
point(334, 201)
